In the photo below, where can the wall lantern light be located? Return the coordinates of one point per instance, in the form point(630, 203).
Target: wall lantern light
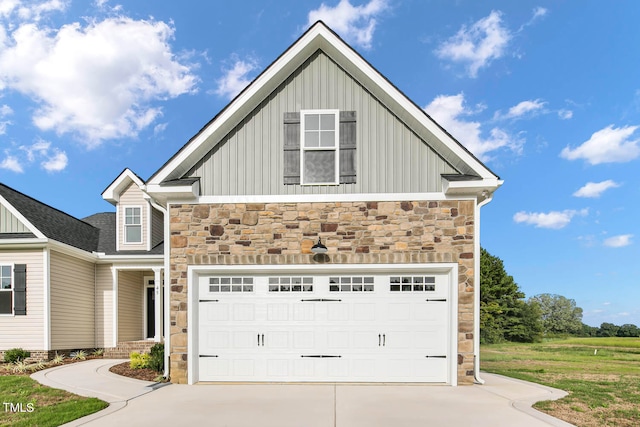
point(319, 248)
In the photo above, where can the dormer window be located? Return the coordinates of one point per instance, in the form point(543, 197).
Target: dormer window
point(133, 224)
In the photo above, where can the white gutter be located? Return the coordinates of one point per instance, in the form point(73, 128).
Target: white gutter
point(476, 281)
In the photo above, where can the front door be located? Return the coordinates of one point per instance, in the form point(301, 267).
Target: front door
point(151, 312)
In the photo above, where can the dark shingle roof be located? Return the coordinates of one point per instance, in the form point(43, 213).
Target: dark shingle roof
point(106, 222)
point(52, 222)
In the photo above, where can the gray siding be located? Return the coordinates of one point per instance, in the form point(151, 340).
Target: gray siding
point(9, 223)
point(157, 227)
point(391, 158)
point(72, 302)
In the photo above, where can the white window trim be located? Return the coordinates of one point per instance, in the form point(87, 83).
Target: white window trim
point(336, 147)
point(12, 290)
point(125, 225)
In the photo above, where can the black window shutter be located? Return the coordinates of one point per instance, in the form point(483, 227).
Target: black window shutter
point(20, 289)
point(291, 148)
point(347, 147)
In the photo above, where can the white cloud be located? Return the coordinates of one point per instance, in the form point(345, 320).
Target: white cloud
point(7, 7)
point(595, 189)
point(5, 111)
point(355, 23)
point(608, 145)
point(40, 147)
point(11, 163)
point(478, 45)
point(553, 220)
point(539, 12)
point(55, 163)
point(565, 114)
point(529, 107)
point(618, 241)
point(95, 81)
point(448, 112)
point(236, 78)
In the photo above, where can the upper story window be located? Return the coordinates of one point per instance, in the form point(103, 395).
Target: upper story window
point(6, 290)
point(133, 224)
point(319, 159)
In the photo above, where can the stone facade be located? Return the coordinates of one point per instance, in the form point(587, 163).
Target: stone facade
point(354, 233)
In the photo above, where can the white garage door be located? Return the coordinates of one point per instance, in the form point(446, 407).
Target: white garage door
point(357, 328)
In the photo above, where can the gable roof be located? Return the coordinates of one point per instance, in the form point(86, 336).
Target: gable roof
point(320, 37)
point(45, 221)
point(126, 177)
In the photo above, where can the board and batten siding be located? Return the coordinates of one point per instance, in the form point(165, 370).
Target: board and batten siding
point(9, 223)
point(130, 305)
point(132, 196)
point(72, 299)
point(390, 157)
point(26, 332)
point(104, 306)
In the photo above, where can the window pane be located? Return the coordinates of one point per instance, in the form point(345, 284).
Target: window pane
point(328, 139)
point(311, 122)
point(319, 167)
point(6, 302)
point(134, 233)
point(6, 271)
point(327, 121)
point(311, 139)
point(6, 283)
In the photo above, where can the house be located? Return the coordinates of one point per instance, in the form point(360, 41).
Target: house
point(320, 228)
point(71, 284)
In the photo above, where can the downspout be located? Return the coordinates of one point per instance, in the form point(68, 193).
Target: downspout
point(165, 306)
point(486, 198)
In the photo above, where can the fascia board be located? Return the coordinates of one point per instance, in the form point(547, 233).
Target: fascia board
point(29, 243)
point(470, 187)
point(21, 218)
point(112, 192)
point(182, 192)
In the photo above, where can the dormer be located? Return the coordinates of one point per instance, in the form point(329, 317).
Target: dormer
point(139, 226)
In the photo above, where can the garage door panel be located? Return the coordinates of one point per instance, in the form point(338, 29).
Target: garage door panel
point(325, 335)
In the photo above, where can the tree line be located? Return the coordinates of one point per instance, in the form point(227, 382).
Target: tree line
point(505, 315)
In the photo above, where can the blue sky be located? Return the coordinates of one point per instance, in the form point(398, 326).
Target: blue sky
point(546, 93)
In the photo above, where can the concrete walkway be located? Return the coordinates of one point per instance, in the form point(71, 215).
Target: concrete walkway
point(500, 402)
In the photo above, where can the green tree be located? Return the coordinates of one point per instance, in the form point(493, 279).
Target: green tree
point(504, 315)
point(559, 314)
point(608, 330)
point(628, 330)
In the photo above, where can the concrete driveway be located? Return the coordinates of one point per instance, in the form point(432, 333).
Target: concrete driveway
point(500, 402)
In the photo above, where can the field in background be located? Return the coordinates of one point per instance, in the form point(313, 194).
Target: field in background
point(602, 376)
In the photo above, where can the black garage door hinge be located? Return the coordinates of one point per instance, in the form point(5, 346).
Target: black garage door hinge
point(208, 355)
point(209, 300)
point(436, 300)
point(321, 300)
point(436, 357)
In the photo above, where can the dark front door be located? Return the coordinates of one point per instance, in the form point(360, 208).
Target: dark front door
point(151, 312)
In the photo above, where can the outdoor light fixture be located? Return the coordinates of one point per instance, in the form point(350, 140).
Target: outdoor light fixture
point(319, 248)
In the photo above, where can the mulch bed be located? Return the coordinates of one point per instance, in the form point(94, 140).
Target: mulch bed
point(120, 369)
point(125, 370)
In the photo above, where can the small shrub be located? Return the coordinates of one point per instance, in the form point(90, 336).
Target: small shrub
point(38, 366)
point(156, 361)
point(20, 367)
point(58, 359)
point(15, 355)
point(139, 361)
point(79, 355)
point(98, 352)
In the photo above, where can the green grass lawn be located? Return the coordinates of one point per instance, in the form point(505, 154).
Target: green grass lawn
point(51, 407)
point(602, 376)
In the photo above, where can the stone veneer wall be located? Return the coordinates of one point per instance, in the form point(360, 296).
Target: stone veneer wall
point(354, 232)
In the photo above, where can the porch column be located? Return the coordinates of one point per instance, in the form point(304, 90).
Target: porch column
point(157, 284)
